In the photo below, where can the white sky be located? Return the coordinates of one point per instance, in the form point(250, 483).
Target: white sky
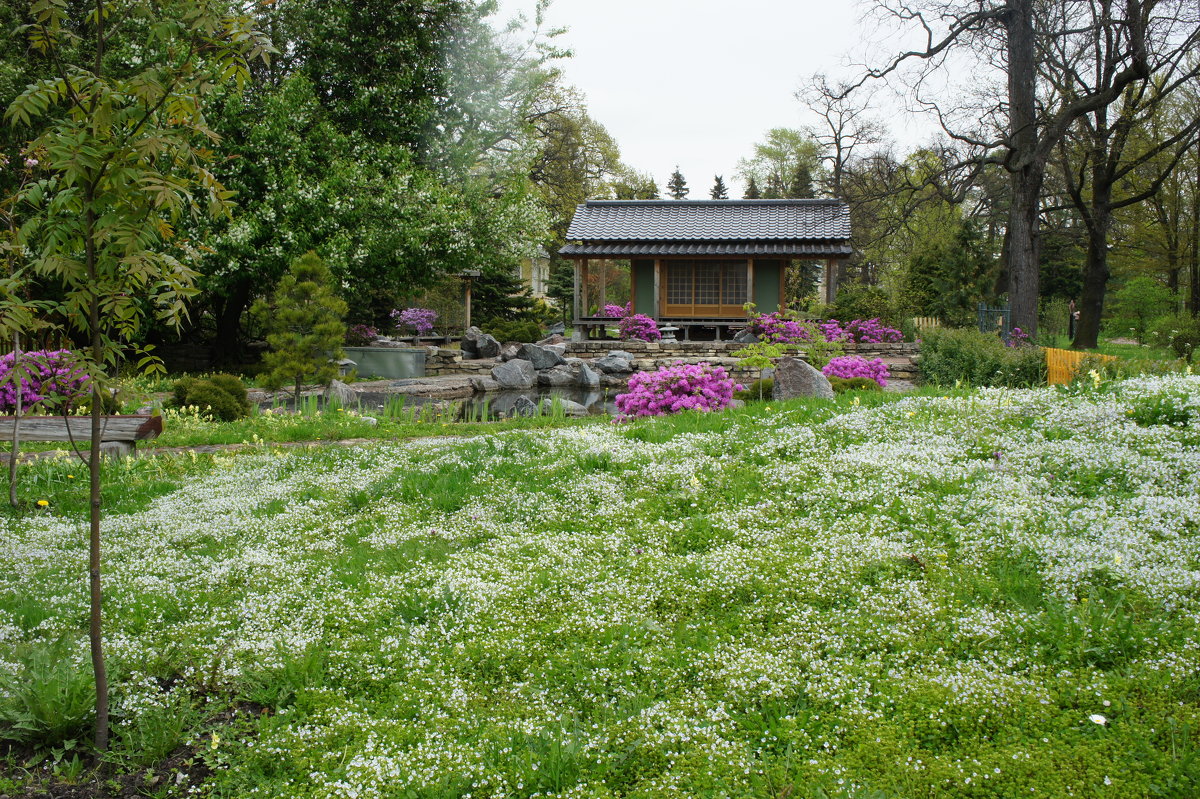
point(698, 82)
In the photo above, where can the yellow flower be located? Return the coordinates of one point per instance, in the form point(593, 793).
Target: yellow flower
point(1117, 559)
point(41, 503)
point(70, 477)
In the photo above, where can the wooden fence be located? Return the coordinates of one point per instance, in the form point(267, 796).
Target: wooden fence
point(1061, 365)
point(926, 322)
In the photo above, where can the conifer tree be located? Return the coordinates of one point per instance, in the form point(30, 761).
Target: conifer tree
point(304, 325)
point(752, 192)
point(719, 191)
point(677, 186)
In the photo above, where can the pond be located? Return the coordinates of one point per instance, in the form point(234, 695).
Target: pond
point(492, 405)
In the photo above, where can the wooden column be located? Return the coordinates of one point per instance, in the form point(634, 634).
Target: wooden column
point(576, 298)
point(657, 289)
point(750, 280)
point(584, 288)
point(603, 285)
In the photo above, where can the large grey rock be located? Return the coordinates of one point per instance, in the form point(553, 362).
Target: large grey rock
point(509, 351)
point(628, 356)
point(477, 344)
point(568, 407)
point(524, 406)
point(557, 376)
point(587, 377)
point(553, 338)
point(342, 394)
point(614, 381)
point(559, 349)
point(795, 378)
point(540, 357)
point(745, 337)
point(514, 374)
point(558, 328)
point(610, 364)
point(481, 383)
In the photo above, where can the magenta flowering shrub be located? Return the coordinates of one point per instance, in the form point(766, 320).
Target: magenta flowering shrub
point(1017, 338)
point(778, 328)
point(832, 330)
point(639, 326)
point(848, 366)
point(53, 378)
point(679, 387)
point(871, 331)
point(617, 311)
point(419, 319)
point(361, 335)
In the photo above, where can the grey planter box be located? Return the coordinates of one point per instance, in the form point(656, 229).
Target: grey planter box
point(393, 362)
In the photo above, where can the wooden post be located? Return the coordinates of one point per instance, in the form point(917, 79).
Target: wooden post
point(467, 303)
point(603, 285)
point(750, 280)
point(577, 297)
point(584, 288)
point(657, 289)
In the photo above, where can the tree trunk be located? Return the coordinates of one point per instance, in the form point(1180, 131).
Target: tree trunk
point(15, 452)
point(1027, 173)
point(226, 345)
point(1194, 294)
point(95, 625)
point(1095, 277)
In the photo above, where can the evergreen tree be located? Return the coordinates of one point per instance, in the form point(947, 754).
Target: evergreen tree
point(752, 192)
point(677, 186)
point(304, 325)
point(719, 191)
point(802, 183)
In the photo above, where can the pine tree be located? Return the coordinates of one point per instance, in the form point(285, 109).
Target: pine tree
point(677, 186)
point(752, 192)
point(719, 191)
point(304, 325)
point(802, 183)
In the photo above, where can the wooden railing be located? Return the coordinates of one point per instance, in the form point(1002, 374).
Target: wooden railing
point(926, 322)
point(1062, 365)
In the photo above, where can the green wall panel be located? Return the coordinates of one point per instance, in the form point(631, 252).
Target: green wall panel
point(643, 280)
point(766, 286)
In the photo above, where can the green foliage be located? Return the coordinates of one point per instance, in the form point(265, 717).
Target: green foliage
point(758, 390)
point(842, 384)
point(677, 186)
point(785, 164)
point(1179, 332)
point(760, 354)
point(719, 190)
point(948, 278)
point(1136, 304)
point(304, 324)
point(860, 301)
point(512, 330)
point(219, 396)
point(48, 699)
point(966, 356)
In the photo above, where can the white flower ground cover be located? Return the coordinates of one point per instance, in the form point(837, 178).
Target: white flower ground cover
point(993, 595)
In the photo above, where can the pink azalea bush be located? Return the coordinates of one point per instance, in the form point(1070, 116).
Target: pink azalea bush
point(639, 326)
point(361, 335)
point(675, 388)
point(778, 328)
point(419, 319)
point(872, 331)
point(53, 378)
point(849, 366)
point(617, 311)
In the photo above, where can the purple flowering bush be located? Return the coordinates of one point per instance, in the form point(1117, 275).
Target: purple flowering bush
point(675, 388)
point(639, 326)
point(778, 328)
point(617, 311)
point(419, 319)
point(360, 335)
point(851, 366)
point(53, 378)
point(872, 331)
point(1017, 338)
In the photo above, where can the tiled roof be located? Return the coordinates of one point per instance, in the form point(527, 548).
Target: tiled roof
point(709, 220)
point(786, 249)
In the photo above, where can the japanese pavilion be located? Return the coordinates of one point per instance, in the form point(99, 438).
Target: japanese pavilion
point(695, 264)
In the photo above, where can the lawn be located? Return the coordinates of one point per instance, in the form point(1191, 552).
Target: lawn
point(991, 594)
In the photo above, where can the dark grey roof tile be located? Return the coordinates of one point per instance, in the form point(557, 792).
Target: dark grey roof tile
point(709, 220)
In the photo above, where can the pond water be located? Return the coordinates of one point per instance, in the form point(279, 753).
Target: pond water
point(492, 405)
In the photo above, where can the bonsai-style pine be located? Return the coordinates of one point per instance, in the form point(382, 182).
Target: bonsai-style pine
point(304, 326)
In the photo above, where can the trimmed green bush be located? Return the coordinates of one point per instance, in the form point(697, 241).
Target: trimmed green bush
point(220, 396)
point(966, 356)
point(841, 384)
point(1180, 332)
point(505, 330)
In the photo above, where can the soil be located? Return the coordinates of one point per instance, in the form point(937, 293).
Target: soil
point(183, 768)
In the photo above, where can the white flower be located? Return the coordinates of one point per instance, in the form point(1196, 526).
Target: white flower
point(1097, 718)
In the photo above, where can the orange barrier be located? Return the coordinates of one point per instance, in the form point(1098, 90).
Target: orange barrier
point(1061, 365)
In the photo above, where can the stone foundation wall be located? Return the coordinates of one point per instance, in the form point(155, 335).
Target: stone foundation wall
point(648, 356)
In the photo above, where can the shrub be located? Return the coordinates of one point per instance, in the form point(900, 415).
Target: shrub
point(979, 359)
point(849, 367)
point(680, 387)
point(872, 331)
point(360, 335)
point(759, 389)
point(639, 327)
point(418, 319)
point(518, 330)
point(1181, 333)
point(859, 301)
point(220, 396)
point(1141, 300)
point(841, 384)
point(617, 311)
point(53, 378)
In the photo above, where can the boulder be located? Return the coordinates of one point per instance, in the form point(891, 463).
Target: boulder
point(628, 356)
point(587, 378)
point(557, 376)
point(614, 381)
point(610, 364)
point(524, 406)
point(553, 338)
point(477, 344)
point(558, 328)
point(509, 351)
point(342, 394)
point(745, 337)
point(540, 357)
point(796, 378)
point(568, 407)
point(516, 373)
point(560, 349)
point(484, 384)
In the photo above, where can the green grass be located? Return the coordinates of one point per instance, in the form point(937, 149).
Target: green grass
point(879, 596)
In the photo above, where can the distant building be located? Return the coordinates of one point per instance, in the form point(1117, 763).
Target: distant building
point(535, 272)
point(697, 263)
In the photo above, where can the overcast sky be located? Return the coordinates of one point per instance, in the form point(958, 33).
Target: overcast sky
point(698, 82)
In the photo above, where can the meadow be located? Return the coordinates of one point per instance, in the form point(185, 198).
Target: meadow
point(993, 593)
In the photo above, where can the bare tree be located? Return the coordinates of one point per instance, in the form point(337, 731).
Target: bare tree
point(844, 128)
point(1018, 129)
